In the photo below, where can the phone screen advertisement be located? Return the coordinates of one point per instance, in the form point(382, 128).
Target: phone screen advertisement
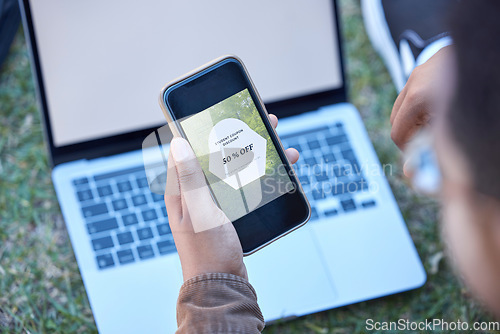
point(237, 155)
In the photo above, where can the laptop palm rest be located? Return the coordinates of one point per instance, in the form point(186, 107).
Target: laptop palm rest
point(289, 277)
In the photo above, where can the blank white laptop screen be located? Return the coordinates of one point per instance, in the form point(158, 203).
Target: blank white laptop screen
point(104, 62)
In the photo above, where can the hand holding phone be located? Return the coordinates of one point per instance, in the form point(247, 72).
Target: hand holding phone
point(214, 250)
point(218, 249)
point(218, 111)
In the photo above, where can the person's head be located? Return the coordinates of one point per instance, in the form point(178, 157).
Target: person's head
point(467, 142)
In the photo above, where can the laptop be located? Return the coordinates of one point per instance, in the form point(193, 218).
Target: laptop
point(99, 66)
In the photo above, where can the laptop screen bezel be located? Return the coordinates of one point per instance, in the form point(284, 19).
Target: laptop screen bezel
point(131, 141)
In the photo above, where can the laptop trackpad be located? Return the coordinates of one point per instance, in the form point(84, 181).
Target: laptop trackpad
point(289, 277)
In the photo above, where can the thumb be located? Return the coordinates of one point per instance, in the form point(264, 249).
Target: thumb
point(189, 173)
point(197, 200)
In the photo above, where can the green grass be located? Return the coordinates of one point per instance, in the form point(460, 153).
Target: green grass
point(40, 286)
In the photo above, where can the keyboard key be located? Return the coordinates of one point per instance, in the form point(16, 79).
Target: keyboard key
point(84, 195)
point(94, 210)
point(148, 215)
point(322, 176)
point(145, 252)
point(339, 128)
point(120, 204)
point(167, 246)
point(304, 180)
point(142, 182)
point(318, 194)
point(348, 170)
point(125, 256)
point(329, 158)
point(313, 144)
point(364, 184)
point(348, 205)
point(339, 171)
point(80, 181)
point(124, 186)
point(357, 185)
point(129, 219)
point(105, 261)
point(101, 226)
point(296, 146)
point(157, 197)
point(331, 212)
point(335, 140)
point(102, 243)
point(145, 233)
point(139, 200)
point(164, 211)
point(348, 154)
point(339, 189)
point(311, 161)
point(350, 186)
point(368, 204)
point(163, 229)
point(105, 191)
point(125, 238)
point(314, 213)
point(355, 168)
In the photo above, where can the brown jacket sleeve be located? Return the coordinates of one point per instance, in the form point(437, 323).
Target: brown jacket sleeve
point(218, 303)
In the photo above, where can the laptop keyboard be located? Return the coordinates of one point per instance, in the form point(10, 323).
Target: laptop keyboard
point(126, 223)
point(329, 171)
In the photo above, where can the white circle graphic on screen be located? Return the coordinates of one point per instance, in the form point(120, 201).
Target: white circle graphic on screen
point(237, 153)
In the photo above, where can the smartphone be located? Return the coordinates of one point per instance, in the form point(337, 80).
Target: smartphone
point(217, 109)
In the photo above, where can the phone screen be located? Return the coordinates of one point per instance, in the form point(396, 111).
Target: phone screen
point(237, 155)
point(219, 113)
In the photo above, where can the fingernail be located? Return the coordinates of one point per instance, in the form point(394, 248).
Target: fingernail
point(181, 150)
point(406, 170)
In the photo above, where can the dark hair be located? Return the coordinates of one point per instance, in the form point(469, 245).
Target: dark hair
point(474, 116)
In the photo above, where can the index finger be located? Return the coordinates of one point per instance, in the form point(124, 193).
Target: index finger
point(274, 120)
point(397, 104)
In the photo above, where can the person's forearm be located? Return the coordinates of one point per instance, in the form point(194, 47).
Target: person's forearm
point(218, 303)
